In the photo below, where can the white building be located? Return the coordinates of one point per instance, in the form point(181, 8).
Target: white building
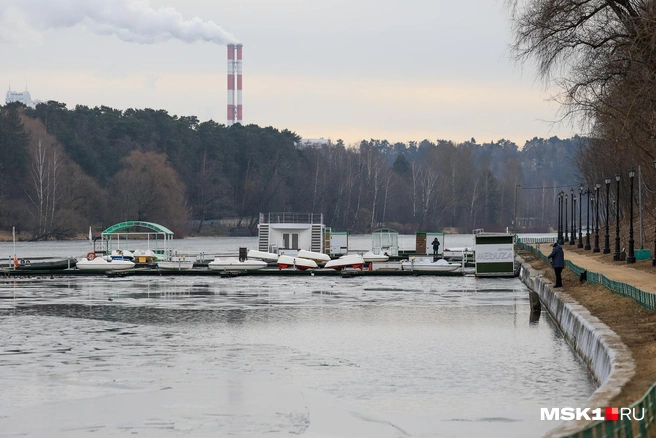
point(20, 96)
point(286, 233)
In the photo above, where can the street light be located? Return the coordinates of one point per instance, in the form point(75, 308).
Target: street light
point(566, 234)
point(607, 237)
point(616, 256)
point(580, 245)
point(596, 226)
point(572, 237)
point(559, 239)
point(631, 257)
point(587, 223)
point(653, 261)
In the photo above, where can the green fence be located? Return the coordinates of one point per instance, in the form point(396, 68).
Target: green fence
point(624, 427)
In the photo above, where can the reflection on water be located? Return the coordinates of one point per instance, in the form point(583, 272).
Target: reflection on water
point(256, 356)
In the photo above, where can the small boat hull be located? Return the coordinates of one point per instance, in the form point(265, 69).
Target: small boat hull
point(27, 265)
point(428, 265)
point(100, 264)
point(354, 261)
point(255, 254)
point(233, 264)
point(285, 261)
point(311, 255)
point(180, 265)
point(371, 257)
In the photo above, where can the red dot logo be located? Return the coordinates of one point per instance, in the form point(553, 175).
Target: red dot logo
point(612, 414)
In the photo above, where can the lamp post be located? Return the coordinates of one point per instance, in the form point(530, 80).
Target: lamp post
point(587, 223)
point(630, 258)
point(580, 245)
point(596, 226)
point(653, 261)
point(566, 233)
point(607, 237)
point(572, 236)
point(616, 256)
point(559, 238)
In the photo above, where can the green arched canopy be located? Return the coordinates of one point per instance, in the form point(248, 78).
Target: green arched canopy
point(132, 224)
point(117, 237)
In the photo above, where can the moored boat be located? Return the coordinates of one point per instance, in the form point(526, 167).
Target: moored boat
point(355, 261)
point(102, 264)
point(175, 264)
point(262, 255)
point(234, 264)
point(371, 257)
point(426, 264)
point(312, 255)
point(285, 261)
point(27, 265)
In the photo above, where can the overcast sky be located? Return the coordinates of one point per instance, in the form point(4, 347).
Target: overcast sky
point(350, 69)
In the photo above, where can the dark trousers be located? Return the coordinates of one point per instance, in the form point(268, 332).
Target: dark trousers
point(559, 279)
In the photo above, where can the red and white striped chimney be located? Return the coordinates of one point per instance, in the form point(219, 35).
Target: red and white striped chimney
point(231, 84)
point(239, 84)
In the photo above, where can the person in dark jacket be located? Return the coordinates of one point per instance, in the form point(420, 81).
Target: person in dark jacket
point(436, 246)
point(557, 257)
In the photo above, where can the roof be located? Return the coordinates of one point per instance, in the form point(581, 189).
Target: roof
point(132, 224)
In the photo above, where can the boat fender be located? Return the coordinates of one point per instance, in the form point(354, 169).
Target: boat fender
point(22, 262)
point(91, 256)
point(15, 262)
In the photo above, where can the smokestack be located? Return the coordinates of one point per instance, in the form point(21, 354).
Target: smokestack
point(239, 83)
point(231, 84)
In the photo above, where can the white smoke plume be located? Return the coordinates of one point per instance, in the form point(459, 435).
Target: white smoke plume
point(133, 21)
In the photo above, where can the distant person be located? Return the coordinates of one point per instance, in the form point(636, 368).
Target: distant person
point(436, 246)
point(557, 257)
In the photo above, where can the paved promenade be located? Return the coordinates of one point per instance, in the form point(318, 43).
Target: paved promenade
point(618, 271)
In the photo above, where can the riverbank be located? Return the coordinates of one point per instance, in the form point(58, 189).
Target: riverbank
point(634, 324)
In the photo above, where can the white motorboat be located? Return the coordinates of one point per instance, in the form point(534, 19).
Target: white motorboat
point(234, 264)
point(427, 264)
point(175, 264)
point(262, 255)
point(355, 261)
point(102, 264)
point(144, 255)
point(118, 254)
point(371, 257)
point(285, 261)
point(311, 255)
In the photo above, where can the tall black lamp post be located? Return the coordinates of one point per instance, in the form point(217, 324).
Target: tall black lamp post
point(616, 256)
point(580, 245)
point(653, 261)
point(630, 258)
point(572, 236)
point(587, 223)
point(596, 225)
point(559, 239)
point(607, 236)
point(566, 233)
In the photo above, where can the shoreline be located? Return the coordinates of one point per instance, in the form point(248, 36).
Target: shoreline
point(633, 324)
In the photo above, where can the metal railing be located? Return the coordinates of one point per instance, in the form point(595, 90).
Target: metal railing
point(291, 218)
point(624, 427)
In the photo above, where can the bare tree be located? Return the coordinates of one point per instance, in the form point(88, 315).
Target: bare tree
point(44, 193)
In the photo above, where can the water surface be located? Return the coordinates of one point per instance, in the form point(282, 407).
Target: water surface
point(268, 356)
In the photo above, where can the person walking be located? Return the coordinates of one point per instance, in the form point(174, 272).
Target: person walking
point(557, 257)
point(436, 246)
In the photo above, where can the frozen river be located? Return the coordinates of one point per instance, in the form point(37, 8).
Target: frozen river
point(279, 356)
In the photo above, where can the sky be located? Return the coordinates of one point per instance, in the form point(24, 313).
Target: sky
point(337, 69)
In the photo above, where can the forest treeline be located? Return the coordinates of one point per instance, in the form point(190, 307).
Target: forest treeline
point(63, 170)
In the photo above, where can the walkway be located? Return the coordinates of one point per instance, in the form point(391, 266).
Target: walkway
point(618, 271)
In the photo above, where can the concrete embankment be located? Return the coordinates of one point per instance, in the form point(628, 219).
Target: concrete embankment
point(607, 357)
